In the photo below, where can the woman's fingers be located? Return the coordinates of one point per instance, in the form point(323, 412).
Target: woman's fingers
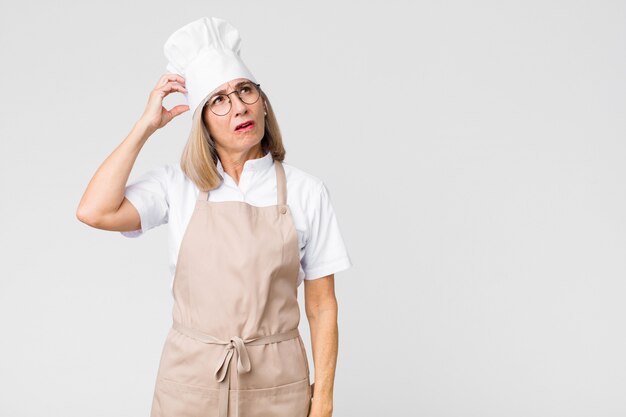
point(169, 87)
point(176, 110)
point(155, 115)
point(165, 78)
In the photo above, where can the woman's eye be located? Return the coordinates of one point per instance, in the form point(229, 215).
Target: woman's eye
point(217, 100)
point(244, 90)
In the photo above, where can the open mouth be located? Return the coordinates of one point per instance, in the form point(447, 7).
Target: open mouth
point(245, 126)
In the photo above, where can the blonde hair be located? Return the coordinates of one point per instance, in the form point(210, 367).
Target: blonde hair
point(198, 160)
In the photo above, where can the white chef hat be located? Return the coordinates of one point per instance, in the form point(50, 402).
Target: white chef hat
point(206, 53)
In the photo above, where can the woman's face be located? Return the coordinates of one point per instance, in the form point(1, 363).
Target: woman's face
point(223, 128)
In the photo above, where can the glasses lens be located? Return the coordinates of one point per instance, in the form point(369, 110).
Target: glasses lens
point(248, 93)
point(219, 104)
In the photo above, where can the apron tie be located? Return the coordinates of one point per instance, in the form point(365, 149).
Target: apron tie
point(243, 359)
point(235, 343)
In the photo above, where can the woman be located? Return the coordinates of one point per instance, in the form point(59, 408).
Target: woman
point(245, 229)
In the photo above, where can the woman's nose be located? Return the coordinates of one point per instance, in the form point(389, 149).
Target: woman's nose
point(238, 105)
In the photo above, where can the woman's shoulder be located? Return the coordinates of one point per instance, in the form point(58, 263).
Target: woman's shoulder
point(308, 186)
point(300, 178)
point(168, 173)
point(176, 182)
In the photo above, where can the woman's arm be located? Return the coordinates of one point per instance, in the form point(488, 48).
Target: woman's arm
point(321, 311)
point(103, 204)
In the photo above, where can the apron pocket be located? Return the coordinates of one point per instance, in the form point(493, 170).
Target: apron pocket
point(175, 399)
point(289, 400)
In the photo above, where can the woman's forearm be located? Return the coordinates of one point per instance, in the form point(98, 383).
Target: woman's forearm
point(325, 341)
point(105, 191)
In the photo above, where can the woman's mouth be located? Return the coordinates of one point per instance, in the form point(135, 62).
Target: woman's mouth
point(245, 126)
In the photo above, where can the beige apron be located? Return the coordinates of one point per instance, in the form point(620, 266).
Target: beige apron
point(234, 348)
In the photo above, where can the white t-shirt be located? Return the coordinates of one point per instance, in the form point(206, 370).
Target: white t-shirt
point(166, 195)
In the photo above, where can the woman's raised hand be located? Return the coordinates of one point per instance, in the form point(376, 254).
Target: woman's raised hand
point(155, 116)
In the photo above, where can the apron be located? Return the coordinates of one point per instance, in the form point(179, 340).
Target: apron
point(234, 348)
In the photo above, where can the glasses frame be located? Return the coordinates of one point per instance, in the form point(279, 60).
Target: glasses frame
point(230, 103)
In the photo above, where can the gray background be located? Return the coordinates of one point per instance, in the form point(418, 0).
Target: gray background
point(474, 152)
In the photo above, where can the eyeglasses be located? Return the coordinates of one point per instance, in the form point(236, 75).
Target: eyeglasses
point(220, 104)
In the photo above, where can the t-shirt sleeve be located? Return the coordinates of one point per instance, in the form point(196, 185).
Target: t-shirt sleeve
point(148, 193)
point(325, 252)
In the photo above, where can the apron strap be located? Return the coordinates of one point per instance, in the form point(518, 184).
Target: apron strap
point(204, 195)
point(281, 183)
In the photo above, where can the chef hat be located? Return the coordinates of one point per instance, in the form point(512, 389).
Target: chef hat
point(206, 53)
